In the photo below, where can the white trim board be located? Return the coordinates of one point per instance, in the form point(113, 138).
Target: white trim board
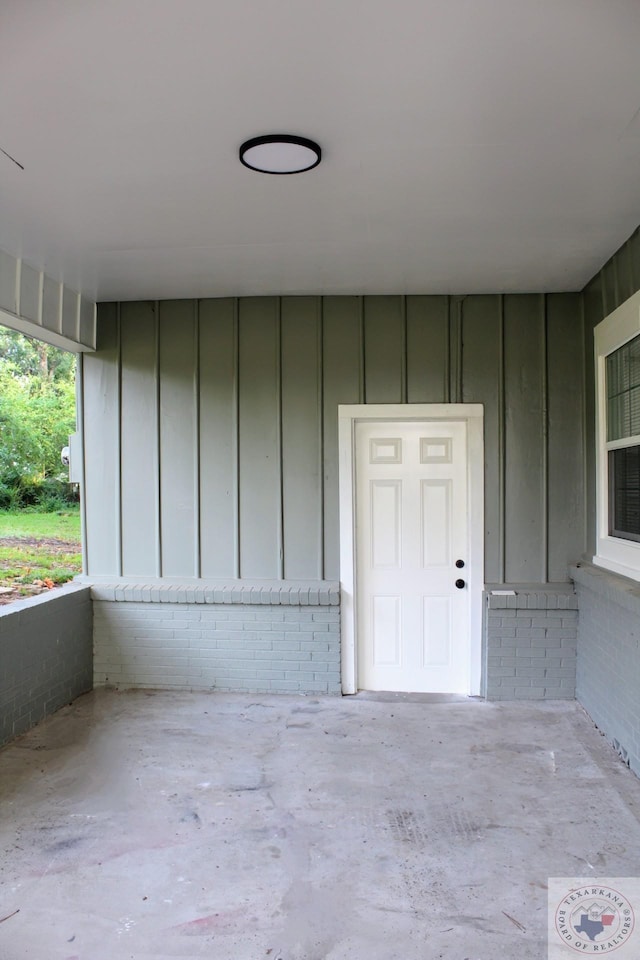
point(348, 416)
point(613, 553)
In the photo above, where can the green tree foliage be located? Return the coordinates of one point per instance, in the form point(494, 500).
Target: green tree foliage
point(37, 414)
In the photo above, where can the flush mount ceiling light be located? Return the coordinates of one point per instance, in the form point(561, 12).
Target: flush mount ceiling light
point(280, 153)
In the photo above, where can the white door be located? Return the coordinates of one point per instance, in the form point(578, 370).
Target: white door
point(412, 528)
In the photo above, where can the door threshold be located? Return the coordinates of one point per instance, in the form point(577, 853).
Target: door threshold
point(393, 696)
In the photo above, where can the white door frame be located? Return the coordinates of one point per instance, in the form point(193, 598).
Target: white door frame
point(348, 416)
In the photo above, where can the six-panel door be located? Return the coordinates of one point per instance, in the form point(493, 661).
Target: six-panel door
point(412, 526)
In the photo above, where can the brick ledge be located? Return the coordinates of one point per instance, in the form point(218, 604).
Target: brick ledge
point(324, 593)
point(539, 597)
point(73, 587)
point(612, 586)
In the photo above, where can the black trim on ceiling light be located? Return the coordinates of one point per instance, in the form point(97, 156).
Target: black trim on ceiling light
point(280, 138)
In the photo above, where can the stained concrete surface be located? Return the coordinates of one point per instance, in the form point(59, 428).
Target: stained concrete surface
point(239, 827)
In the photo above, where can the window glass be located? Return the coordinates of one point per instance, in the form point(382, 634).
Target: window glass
point(634, 361)
point(623, 391)
point(624, 487)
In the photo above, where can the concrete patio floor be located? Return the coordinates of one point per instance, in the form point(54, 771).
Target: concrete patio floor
point(239, 827)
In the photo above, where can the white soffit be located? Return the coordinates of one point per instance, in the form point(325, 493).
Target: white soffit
point(468, 145)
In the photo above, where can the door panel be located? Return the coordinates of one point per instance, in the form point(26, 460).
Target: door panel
point(411, 527)
point(386, 519)
point(436, 632)
point(435, 522)
point(386, 624)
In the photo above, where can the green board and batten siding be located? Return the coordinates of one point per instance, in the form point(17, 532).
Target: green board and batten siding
point(210, 427)
point(608, 662)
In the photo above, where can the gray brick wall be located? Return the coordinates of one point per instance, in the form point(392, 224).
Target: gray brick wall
point(530, 645)
point(608, 676)
point(45, 656)
point(259, 647)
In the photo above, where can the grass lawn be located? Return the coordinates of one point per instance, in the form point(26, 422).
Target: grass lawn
point(38, 551)
point(63, 525)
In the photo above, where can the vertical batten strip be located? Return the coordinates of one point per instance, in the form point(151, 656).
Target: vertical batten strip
point(634, 264)
point(280, 543)
point(404, 385)
point(615, 266)
point(119, 422)
point(454, 306)
point(77, 322)
point(236, 437)
point(585, 432)
point(447, 369)
point(362, 380)
point(628, 283)
point(60, 296)
point(94, 338)
point(320, 343)
point(18, 287)
point(459, 349)
point(453, 348)
point(83, 487)
point(41, 297)
point(158, 451)
point(544, 413)
point(197, 537)
point(501, 441)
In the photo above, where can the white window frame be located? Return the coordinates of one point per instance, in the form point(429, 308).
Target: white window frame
point(613, 553)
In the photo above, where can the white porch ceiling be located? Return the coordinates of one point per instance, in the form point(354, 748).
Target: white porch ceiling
point(469, 145)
